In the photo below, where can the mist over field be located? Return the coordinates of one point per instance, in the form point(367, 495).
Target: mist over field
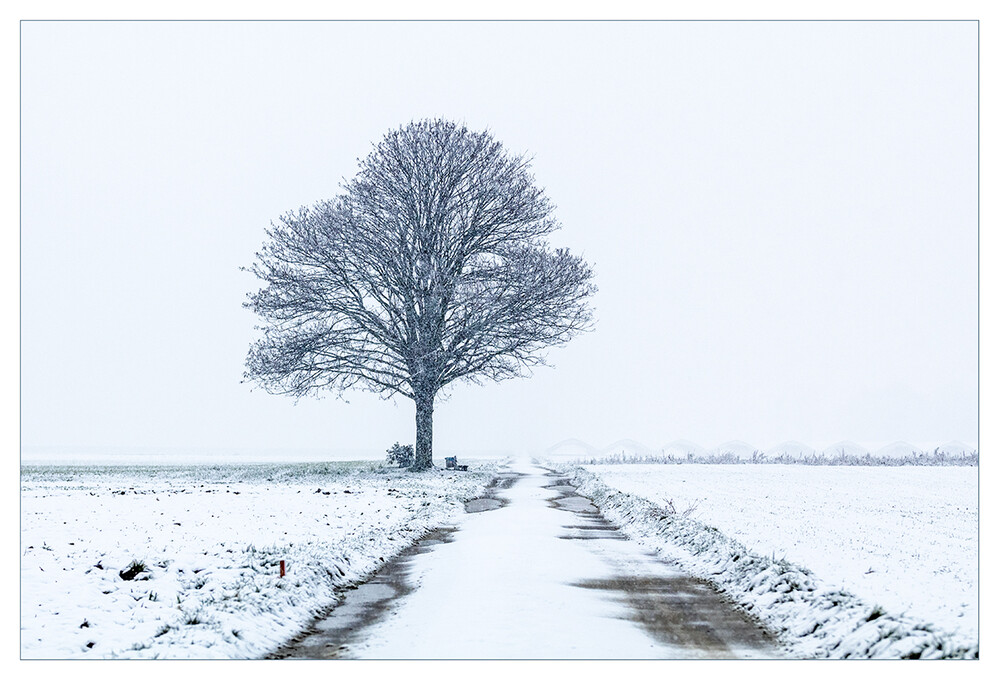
point(489, 340)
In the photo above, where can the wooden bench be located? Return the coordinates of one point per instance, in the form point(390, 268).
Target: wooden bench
point(451, 463)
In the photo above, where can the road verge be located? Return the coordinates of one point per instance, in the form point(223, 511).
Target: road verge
point(814, 620)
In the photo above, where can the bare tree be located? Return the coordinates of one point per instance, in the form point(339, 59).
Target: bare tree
point(431, 267)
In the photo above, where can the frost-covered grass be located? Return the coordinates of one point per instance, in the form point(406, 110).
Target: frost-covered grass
point(843, 562)
point(936, 458)
point(209, 540)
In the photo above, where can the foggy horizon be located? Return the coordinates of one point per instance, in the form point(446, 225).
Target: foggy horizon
point(782, 218)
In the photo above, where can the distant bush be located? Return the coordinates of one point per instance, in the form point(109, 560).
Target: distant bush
point(403, 456)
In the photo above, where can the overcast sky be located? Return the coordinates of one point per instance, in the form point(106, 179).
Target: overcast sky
point(782, 218)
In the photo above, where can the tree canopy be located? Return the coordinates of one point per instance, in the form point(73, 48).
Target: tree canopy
point(431, 266)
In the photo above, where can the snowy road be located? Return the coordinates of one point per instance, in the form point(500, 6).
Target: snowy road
point(542, 576)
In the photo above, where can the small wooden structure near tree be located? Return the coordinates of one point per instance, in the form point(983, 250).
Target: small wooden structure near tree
point(451, 463)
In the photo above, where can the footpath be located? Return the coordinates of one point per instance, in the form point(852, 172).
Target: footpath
point(535, 572)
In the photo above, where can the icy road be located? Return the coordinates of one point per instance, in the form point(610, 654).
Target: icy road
point(535, 572)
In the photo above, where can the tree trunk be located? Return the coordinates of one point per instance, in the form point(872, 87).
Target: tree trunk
point(424, 432)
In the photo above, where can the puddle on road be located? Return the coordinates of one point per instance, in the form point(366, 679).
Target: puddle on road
point(687, 613)
point(504, 480)
point(596, 528)
point(576, 504)
point(489, 500)
point(568, 499)
point(596, 535)
point(483, 504)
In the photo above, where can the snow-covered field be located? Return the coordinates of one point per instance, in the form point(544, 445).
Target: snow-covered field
point(846, 561)
point(211, 538)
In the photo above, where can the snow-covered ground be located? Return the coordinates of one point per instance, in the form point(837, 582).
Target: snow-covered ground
point(211, 538)
point(846, 561)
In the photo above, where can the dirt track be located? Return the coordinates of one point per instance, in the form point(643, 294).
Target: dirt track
point(532, 571)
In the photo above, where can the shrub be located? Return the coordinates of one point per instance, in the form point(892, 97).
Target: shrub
point(134, 568)
point(403, 456)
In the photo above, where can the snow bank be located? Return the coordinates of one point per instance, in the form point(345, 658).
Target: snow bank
point(812, 617)
point(210, 539)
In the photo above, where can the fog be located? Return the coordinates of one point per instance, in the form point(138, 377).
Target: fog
point(782, 217)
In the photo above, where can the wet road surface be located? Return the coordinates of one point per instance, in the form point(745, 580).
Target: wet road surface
point(532, 571)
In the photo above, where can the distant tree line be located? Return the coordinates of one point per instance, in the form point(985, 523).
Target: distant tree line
point(925, 458)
